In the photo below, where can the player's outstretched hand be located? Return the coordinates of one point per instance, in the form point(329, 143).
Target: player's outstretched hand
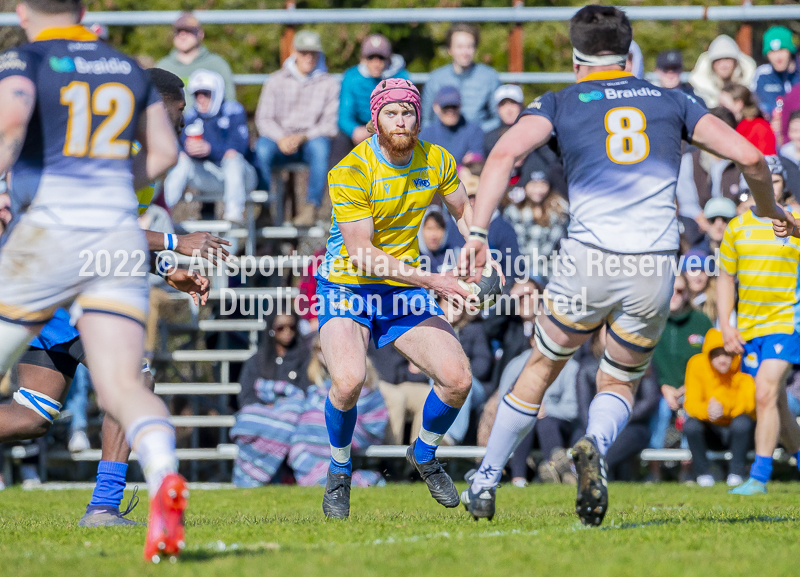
point(191, 283)
point(210, 247)
point(446, 286)
point(785, 228)
point(473, 257)
point(733, 340)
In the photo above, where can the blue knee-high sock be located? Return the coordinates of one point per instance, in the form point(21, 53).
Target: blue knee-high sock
point(797, 458)
point(110, 484)
point(761, 469)
point(341, 425)
point(437, 417)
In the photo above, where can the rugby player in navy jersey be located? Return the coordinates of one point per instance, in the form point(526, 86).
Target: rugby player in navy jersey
point(72, 106)
point(620, 141)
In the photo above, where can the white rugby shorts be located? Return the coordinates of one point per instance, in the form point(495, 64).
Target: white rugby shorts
point(42, 269)
point(629, 292)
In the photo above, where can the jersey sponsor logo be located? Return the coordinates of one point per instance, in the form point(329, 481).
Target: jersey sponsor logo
point(589, 96)
point(611, 93)
point(11, 61)
point(81, 46)
point(83, 66)
point(772, 87)
point(422, 181)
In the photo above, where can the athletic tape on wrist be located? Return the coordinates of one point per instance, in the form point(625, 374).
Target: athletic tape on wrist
point(163, 267)
point(39, 403)
point(170, 241)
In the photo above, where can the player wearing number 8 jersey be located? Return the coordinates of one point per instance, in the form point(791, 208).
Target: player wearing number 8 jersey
point(71, 108)
point(620, 141)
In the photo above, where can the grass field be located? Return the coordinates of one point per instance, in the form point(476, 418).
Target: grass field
point(399, 530)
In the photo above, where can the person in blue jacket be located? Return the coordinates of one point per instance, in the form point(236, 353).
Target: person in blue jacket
point(776, 78)
point(215, 141)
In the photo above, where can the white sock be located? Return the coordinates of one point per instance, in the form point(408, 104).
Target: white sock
point(608, 415)
point(153, 439)
point(514, 420)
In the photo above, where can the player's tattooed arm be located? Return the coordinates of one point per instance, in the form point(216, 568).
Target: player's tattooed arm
point(17, 101)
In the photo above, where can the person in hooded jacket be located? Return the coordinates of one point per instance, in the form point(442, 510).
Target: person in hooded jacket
point(723, 62)
point(215, 140)
point(721, 407)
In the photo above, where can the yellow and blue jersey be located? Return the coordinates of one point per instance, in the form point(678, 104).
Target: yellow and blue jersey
point(767, 269)
point(365, 185)
point(144, 195)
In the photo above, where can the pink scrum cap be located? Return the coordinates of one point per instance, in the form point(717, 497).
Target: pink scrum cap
point(393, 90)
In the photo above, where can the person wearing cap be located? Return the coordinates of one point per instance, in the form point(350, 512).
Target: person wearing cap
point(775, 78)
point(189, 54)
point(450, 129)
point(215, 141)
point(509, 101)
point(717, 212)
point(377, 63)
point(297, 118)
point(475, 81)
point(669, 67)
point(722, 63)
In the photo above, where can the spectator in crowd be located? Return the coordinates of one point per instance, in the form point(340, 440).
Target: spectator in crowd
point(434, 242)
point(510, 324)
point(700, 270)
point(704, 176)
point(721, 64)
point(622, 457)
point(189, 55)
point(791, 150)
point(476, 82)
point(721, 409)
point(309, 455)
point(540, 219)
point(682, 339)
point(750, 121)
point(792, 395)
point(377, 63)
point(718, 212)
point(669, 67)
point(502, 237)
point(451, 129)
point(214, 142)
point(296, 120)
point(775, 78)
point(510, 102)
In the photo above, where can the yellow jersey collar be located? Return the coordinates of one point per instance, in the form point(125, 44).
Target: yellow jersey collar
point(75, 32)
point(605, 75)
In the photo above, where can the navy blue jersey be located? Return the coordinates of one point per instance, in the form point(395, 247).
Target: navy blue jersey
point(620, 141)
point(76, 160)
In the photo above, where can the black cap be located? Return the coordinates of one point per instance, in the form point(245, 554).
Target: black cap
point(669, 60)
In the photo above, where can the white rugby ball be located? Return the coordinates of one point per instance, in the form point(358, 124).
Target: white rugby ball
point(487, 289)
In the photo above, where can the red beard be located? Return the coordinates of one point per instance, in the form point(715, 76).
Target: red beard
point(398, 144)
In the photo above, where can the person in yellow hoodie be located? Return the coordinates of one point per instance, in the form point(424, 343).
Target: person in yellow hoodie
point(721, 404)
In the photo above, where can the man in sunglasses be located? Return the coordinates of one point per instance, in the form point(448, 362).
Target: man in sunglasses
point(718, 212)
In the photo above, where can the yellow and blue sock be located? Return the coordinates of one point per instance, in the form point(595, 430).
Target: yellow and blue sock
point(437, 417)
point(340, 425)
point(110, 484)
point(761, 470)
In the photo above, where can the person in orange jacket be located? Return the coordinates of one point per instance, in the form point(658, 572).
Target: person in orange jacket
point(720, 403)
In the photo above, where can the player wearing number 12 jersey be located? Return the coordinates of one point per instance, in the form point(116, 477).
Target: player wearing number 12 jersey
point(620, 141)
point(71, 108)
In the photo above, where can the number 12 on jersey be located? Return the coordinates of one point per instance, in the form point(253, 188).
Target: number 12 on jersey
point(626, 143)
point(113, 100)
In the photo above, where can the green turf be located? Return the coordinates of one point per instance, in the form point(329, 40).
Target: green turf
point(399, 530)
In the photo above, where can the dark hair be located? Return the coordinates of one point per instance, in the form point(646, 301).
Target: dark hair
point(266, 353)
point(739, 92)
point(55, 6)
point(724, 115)
point(795, 115)
point(470, 29)
point(169, 85)
point(595, 29)
point(437, 216)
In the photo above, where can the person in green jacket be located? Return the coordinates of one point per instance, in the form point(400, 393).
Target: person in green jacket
point(189, 55)
point(682, 339)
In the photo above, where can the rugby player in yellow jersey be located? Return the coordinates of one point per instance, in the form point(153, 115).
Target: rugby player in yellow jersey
point(766, 333)
point(369, 285)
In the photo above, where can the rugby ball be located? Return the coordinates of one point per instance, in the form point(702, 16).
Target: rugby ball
point(487, 289)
